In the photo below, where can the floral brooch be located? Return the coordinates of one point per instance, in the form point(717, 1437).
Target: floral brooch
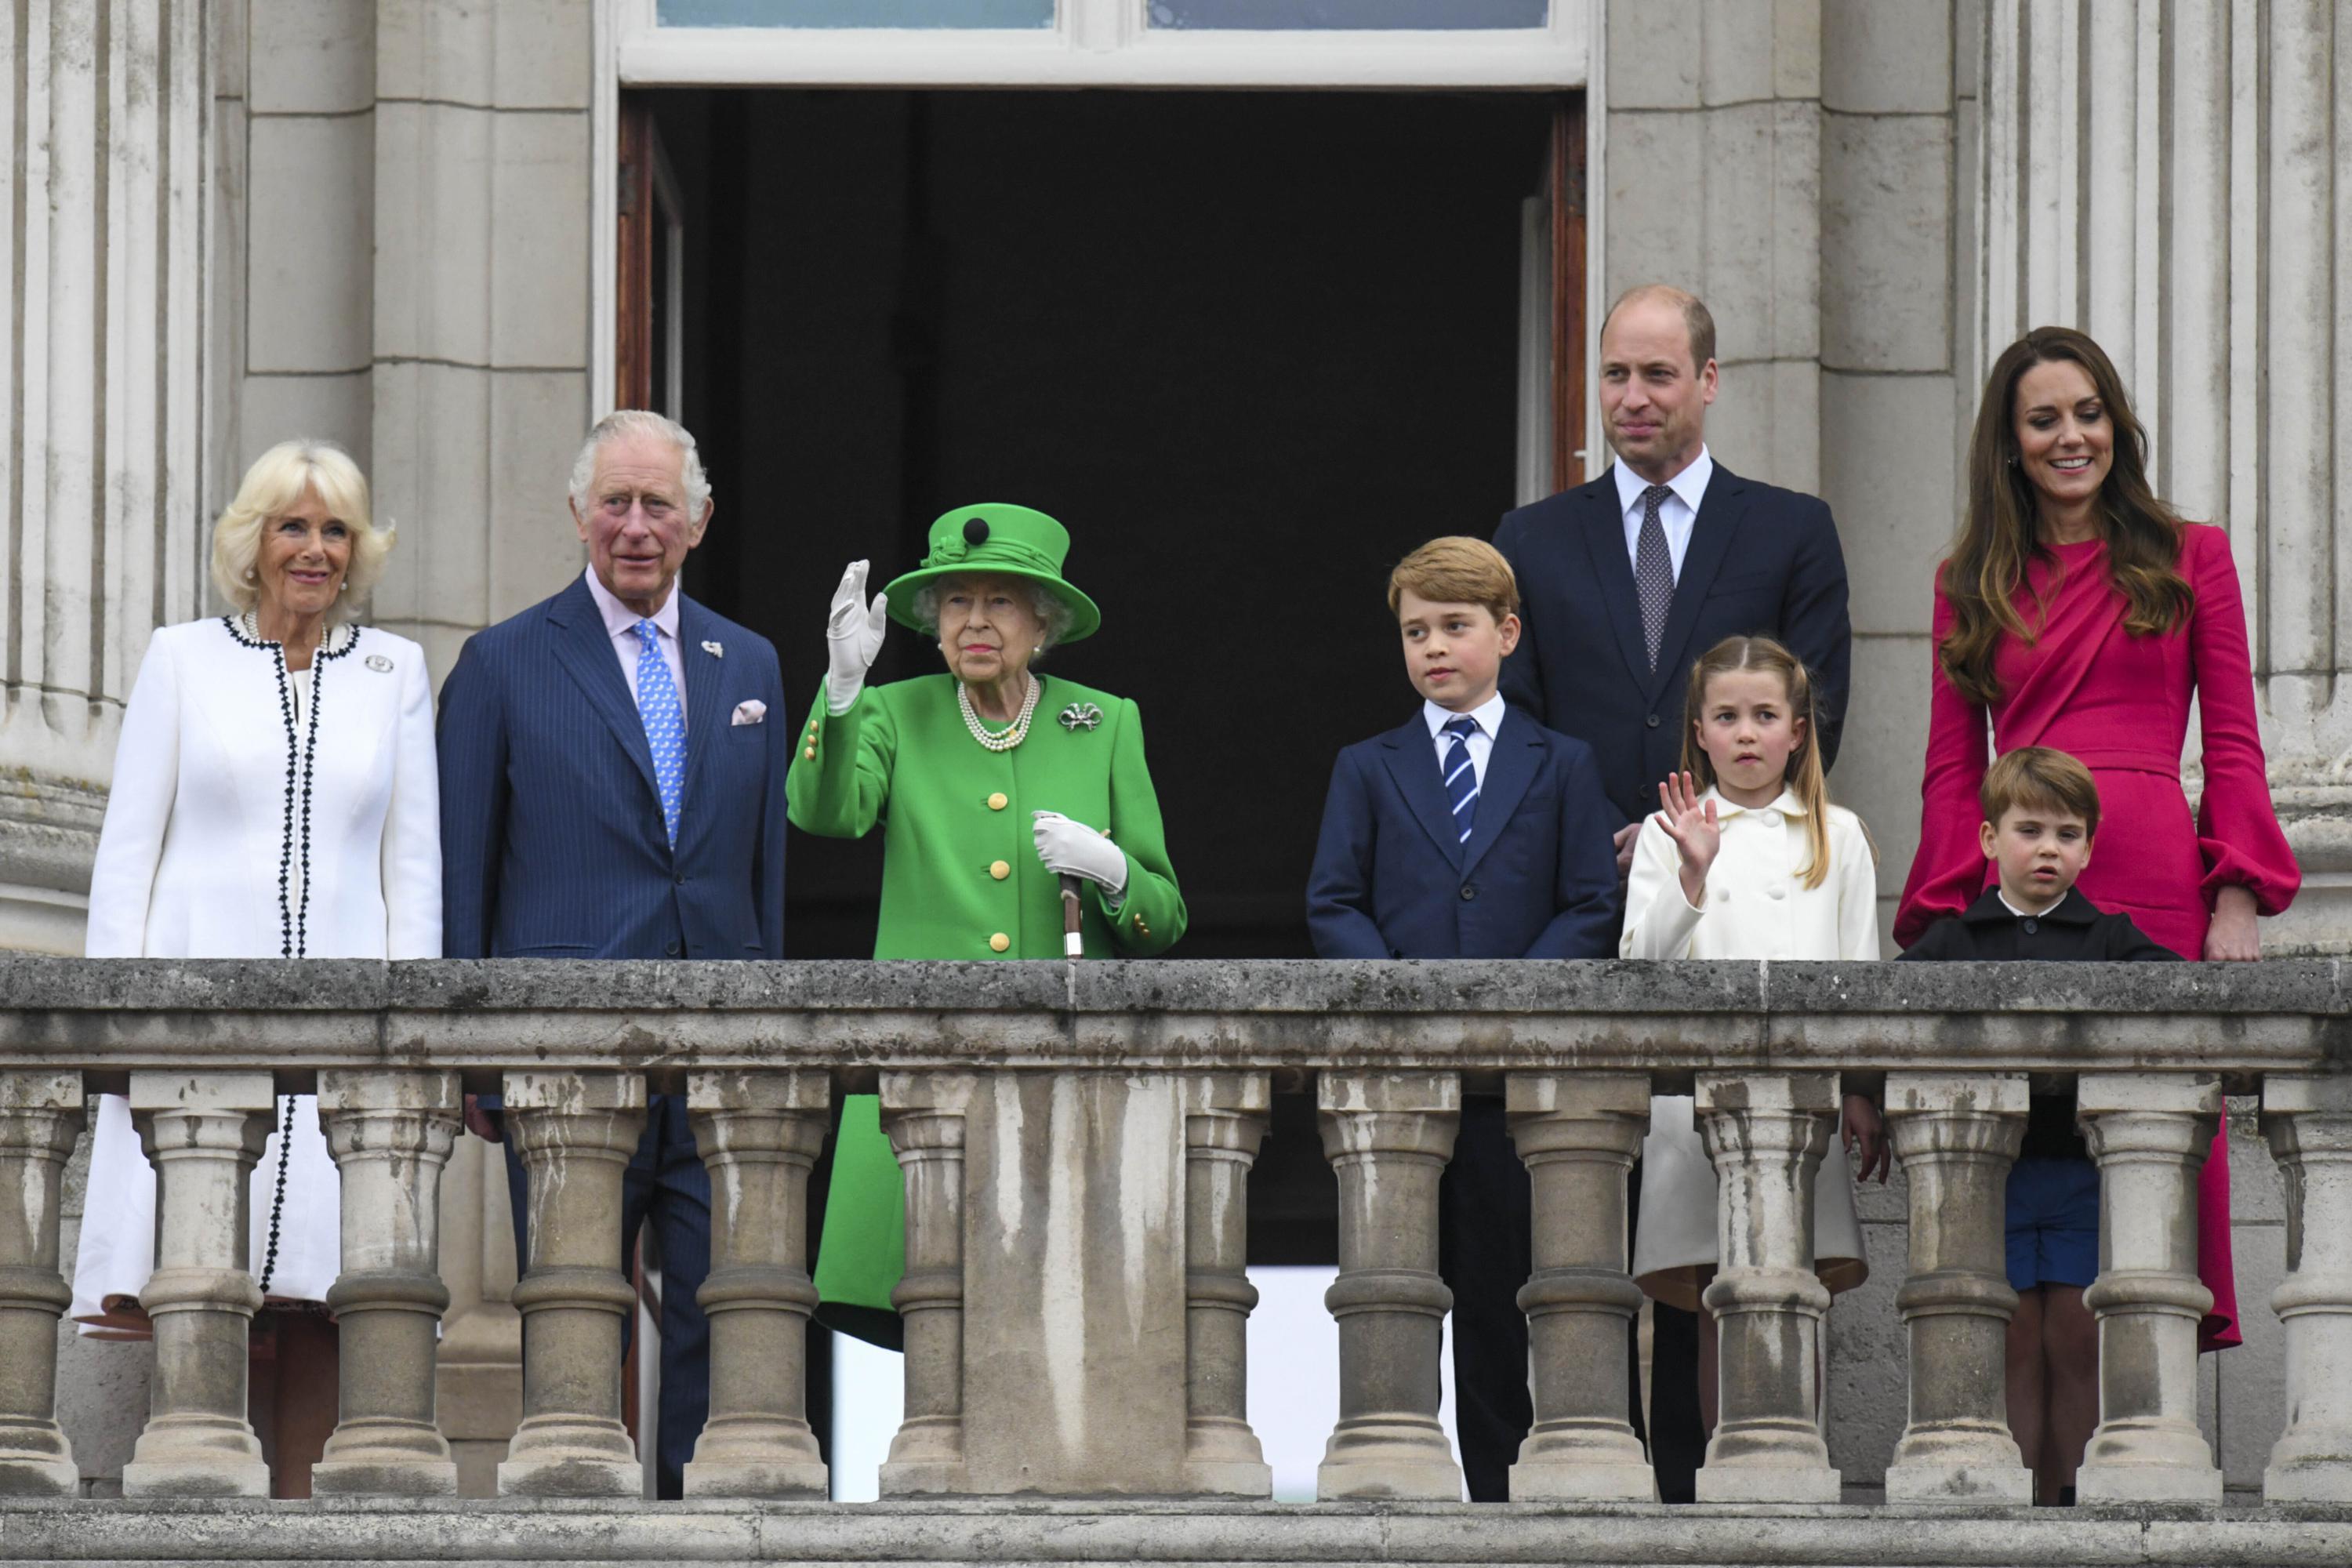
point(1081, 716)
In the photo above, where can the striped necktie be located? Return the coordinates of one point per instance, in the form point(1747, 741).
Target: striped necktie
point(1461, 778)
point(664, 723)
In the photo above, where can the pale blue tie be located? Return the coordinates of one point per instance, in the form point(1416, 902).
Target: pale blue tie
point(664, 724)
point(1461, 775)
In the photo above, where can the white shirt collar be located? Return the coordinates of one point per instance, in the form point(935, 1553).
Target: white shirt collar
point(1488, 713)
point(2002, 894)
point(1788, 805)
point(620, 619)
point(1689, 486)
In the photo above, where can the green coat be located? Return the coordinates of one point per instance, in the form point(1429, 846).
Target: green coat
point(961, 879)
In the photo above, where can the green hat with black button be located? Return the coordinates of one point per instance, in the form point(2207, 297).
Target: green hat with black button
point(996, 540)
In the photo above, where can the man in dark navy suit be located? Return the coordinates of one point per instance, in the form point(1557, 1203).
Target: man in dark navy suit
point(612, 786)
point(1468, 832)
point(1626, 580)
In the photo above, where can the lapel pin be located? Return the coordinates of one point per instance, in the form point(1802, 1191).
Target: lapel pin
point(714, 650)
point(378, 663)
point(1080, 716)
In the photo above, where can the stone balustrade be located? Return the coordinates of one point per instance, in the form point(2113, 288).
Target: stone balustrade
point(1076, 1146)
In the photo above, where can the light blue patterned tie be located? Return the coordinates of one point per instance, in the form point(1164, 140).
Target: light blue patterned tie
point(664, 724)
point(1461, 778)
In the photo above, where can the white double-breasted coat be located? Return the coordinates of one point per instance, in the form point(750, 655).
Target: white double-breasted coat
point(250, 817)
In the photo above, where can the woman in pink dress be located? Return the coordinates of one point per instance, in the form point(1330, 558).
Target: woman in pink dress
point(2077, 611)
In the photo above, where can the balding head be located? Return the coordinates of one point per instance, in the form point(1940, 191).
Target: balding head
point(1657, 376)
point(1699, 325)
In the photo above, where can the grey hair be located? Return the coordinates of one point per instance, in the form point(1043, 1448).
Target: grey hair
point(1053, 612)
point(624, 421)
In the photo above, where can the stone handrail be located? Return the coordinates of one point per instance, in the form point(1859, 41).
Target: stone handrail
point(1075, 1143)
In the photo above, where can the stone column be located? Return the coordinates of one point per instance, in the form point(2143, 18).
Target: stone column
point(2175, 190)
point(2308, 1120)
point(1224, 1122)
point(759, 1132)
point(104, 143)
point(1388, 1136)
point(575, 1132)
point(924, 1113)
point(1766, 1134)
point(2149, 1133)
point(1579, 1134)
point(203, 1131)
point(1957, 1137)
point(391, 1133)
point(40, 1113)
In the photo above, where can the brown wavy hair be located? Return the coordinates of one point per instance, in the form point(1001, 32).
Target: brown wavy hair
point(2001, 533)
point(1803, 774)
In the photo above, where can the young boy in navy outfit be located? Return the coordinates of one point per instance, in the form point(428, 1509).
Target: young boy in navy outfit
point(1469, 831)
point(2041, 814)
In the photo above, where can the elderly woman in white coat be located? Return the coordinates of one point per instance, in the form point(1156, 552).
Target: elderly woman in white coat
point(275, 797)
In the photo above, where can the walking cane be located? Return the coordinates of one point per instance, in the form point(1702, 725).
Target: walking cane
point(1072, 943)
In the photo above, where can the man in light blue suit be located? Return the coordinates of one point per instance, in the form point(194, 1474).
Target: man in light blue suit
point(612, 786)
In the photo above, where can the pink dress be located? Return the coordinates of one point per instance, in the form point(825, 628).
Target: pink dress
point(2120, 704)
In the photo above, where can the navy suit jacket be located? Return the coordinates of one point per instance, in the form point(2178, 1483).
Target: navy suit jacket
point(1763, 560)
point(1537, 878)
point(552, 836)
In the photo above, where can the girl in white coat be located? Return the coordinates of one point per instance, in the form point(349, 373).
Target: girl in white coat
point(1748, 861)
point(273, 796)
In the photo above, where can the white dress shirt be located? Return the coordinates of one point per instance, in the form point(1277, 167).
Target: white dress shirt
point(1677, 514)
point(622, 622)
point(1481, 740)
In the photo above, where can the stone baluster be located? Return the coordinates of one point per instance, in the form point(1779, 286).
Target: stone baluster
point(2150, 1132)
point(759, 1132)
point(925, 1114)
point(1224, 1122)
point(391, 1133)
point(1766, 1134)
point(1957, 1137)
point(575, 1132)
point(2308, 1120)
point(203, 1131)
point(40, 1113)
point(1388, 1137)
point(1578, 1134)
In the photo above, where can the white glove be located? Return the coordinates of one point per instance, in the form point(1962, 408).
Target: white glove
point(1073, 849)
point(852, 636)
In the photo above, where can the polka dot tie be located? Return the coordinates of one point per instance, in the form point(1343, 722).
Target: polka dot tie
point(664, 724)
point(1654, 571)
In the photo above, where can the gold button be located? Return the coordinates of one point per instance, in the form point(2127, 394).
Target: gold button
point(1000, 942)
point(1000, 869)
point(998, 801)
point(810, 753)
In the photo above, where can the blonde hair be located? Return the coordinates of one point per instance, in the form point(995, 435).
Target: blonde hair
point(1803, 774)
point(2040, 778)
point(271, 487)
point(1457, 570)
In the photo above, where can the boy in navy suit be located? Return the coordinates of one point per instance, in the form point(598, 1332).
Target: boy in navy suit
point(1469, 832)
point(2041, 814)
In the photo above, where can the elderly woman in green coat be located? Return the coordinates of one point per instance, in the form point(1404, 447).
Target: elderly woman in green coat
point(992, 782)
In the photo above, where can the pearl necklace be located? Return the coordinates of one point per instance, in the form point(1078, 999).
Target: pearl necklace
point(980, 733)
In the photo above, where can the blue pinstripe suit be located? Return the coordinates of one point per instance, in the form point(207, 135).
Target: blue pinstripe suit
point(552, 846)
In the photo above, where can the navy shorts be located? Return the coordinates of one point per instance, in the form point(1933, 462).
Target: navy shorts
point(2054, 1223)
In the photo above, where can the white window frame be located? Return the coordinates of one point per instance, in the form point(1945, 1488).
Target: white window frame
point(1093, 43)
point(1101, 43)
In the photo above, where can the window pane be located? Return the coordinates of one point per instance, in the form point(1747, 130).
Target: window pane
point(1267, 15)
point(855, 13)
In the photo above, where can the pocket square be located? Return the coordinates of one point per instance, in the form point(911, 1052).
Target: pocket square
point(753, 712)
